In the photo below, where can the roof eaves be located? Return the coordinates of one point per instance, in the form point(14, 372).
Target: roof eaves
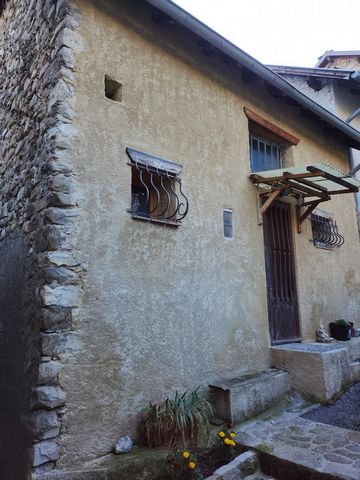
point(188, 21)
point(332, 73)
point(336, 53)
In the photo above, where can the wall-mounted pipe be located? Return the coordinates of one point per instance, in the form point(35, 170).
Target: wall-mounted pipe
point(354, 167)
point(353, 115)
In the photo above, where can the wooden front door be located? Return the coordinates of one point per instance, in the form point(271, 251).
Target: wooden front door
point(280, 275)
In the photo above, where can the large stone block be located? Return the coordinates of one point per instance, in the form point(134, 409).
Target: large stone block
point(56, 318)
point(61, 258)
point(59, 165)
point(61, 275)
point(60, 295)
point(49, 397)
point(61, 216)
point(45, 451)
point(354, 348)
point(46, 424)
point(242, 466)
point(54, 237)
point(318, 370)
point(247, 463)
point(63, 183)
point(53, 343)
point(238, 398)
point(48, 372)
point(60, 199)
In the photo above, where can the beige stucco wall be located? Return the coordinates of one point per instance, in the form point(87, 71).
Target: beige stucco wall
point(346, 103)
point(325, 96)
point(164, 308)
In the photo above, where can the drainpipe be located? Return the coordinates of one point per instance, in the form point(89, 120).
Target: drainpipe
point(354, 167)
point(186, 20)
point(354, 164)
point(353, 115)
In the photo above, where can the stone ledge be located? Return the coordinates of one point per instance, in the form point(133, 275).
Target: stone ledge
point(242, 466)
point(318, 370)
point(240, 398)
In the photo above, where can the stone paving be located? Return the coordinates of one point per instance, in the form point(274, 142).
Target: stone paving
point(326, 451)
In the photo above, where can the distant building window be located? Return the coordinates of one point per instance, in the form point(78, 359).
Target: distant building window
point(228, 223)
point(264, 154)
point(156, 189)
point(325, 232)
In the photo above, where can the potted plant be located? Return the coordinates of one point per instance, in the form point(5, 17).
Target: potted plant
point(340, 330)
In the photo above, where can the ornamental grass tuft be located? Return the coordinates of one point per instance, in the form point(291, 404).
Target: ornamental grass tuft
point(183, 421)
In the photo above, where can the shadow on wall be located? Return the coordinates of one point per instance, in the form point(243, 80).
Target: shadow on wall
point(15, 363)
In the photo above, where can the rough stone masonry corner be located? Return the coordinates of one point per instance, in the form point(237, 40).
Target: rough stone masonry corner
point(40, 276)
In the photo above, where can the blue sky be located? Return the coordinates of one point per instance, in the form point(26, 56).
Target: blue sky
point(283, 32)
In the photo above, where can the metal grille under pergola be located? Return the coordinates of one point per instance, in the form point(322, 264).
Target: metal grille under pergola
point(311, 185)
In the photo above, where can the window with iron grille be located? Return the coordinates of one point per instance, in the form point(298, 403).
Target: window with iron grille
point(325, 232)
point(264, 154)
point(156, 189)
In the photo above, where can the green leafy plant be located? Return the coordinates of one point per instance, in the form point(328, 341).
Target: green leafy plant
point(182, 466)
point(342, 323)
point(182, 421)
point(340, 330)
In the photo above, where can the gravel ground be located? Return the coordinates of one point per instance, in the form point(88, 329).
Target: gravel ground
point(344, 413)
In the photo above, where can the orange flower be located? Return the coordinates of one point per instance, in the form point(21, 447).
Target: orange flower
point(186, 454)
point(192, 465)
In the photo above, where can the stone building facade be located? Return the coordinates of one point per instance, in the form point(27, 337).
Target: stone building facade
point(102, 311)
point(40, 276)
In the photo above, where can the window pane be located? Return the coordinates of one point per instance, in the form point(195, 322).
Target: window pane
point(264, 155)
point(228, 226)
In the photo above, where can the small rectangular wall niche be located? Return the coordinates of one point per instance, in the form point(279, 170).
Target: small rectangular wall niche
point(113, 89)
point(228, 223)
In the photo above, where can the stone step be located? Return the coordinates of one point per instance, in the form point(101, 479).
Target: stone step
point(319, 370)
point(298, 449)
point(236, 399)
point(355, 371)
point(243, 467)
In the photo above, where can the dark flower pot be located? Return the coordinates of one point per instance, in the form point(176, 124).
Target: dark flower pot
point(339, 332)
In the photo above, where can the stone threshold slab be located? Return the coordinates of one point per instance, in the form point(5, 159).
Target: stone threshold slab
point(296, 448)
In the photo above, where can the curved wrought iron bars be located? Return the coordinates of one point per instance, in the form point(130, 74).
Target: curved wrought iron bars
point(158, 183)
point(326, 232)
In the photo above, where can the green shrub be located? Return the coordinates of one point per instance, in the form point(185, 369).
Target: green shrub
point(183, 421)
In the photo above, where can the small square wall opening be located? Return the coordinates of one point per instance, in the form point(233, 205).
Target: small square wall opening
point(113, 89)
